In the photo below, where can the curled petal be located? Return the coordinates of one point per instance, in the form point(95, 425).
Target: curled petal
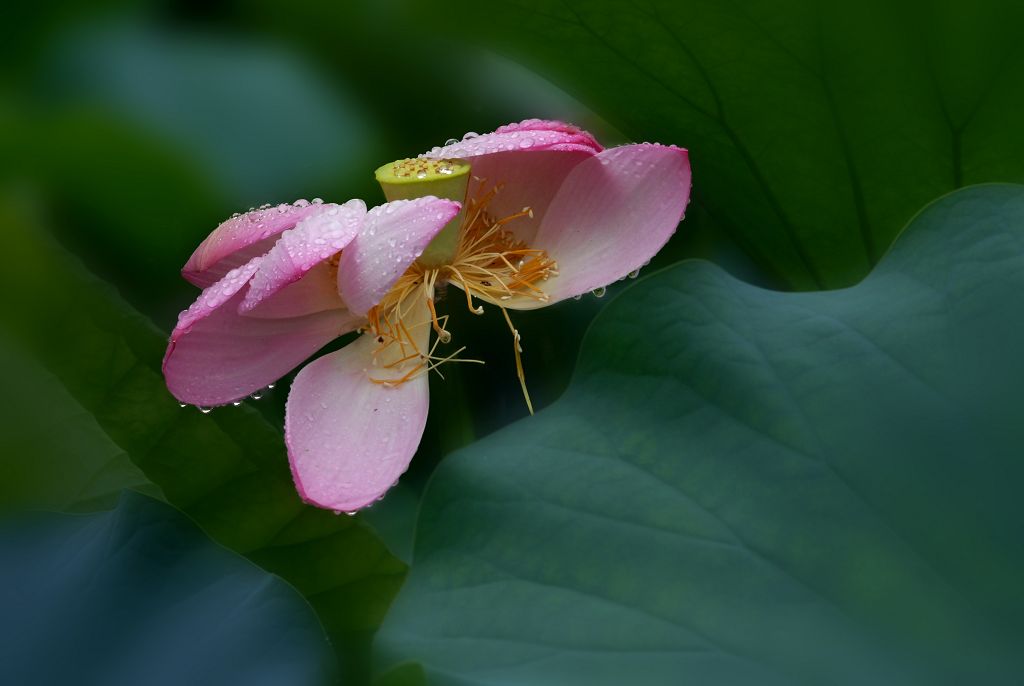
point(393, 237)
point(217, 356)
point(314, 240)
point(315, 292)
point(240, 238)
point(528, 160)
point(614, 212)
point(349, 438)
point(531, 134)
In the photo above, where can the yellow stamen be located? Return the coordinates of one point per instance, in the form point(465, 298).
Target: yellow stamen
point(490, 263)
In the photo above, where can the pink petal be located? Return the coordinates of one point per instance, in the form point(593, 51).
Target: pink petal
point(315, 239)
point(349, 439)
point(315, 292)
point(611, 216)
point(217, 356)
point(531, 134)
point(529, 159)
point(394, 236)
point(240, 238)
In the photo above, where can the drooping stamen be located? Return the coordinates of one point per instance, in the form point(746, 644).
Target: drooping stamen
point(492, 264)
point(395, 326)
point(516, 339)
point(489, 263)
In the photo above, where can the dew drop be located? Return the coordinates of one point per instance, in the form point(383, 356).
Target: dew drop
point(182, 405)
point(237, 403)
point(451, 141)
point(635, 273)
point(598, 292)
point(257, 395)
point(204, 410)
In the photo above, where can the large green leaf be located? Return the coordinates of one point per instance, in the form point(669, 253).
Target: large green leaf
point(747, 486)
point(816, 128)
point(53, 453)
point(140, 596)
point(227, 470)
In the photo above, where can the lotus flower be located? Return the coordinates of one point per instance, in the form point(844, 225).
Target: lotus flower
point(521, 218)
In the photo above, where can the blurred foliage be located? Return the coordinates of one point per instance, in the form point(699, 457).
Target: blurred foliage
point(816, 129)
point(47, 433)
point(811, 488)
point(227, 470)
point(140, 595)
point(130, 128)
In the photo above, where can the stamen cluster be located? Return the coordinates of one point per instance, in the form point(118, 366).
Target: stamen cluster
point(490, 264)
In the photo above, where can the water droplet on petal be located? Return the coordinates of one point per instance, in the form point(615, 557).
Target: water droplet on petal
point(205, 410)
point(598, 292)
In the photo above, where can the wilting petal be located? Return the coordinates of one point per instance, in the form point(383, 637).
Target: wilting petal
point(349, 439)
point(217, 356)
point(612, 214)
point(239, 239)
point(393, 237)
point(314, 240)
point(529, 160)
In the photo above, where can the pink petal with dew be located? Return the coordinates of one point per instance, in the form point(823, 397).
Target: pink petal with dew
point(614, 212)
point(349, 439)
point(393, 237)
point(217, 356)
point(529, 160)
point(242, 237)
point(315, 292)
point(314, 240)
point(531, 134)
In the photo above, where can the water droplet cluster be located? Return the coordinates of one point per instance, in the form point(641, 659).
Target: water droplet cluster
point(526, 135)
point(422, 168)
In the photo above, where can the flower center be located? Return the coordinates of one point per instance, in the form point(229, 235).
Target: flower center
point(488, 262)
point(415, 178)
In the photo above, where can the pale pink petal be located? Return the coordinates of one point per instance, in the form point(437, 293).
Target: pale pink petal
point(349, 439)
point(315, 292)
point(531, 134)
point(217, 356)
point(529, 160)
point(393, 237)
point(240, 238)
point(312, 241)
point(612, 214)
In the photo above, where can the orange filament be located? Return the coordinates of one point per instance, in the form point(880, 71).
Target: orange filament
point(490, 264)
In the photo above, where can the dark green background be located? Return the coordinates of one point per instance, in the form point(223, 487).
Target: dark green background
point(817, 130)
